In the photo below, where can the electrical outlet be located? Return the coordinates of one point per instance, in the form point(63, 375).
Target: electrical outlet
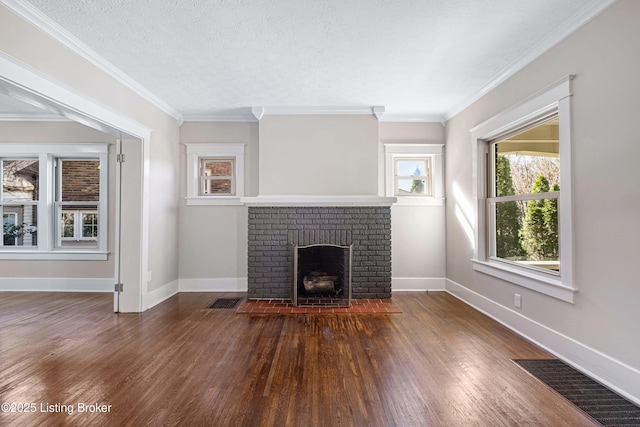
point(517, 300)
point(149, 276)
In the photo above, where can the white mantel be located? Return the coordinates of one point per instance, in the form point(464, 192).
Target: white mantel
point(346, 200)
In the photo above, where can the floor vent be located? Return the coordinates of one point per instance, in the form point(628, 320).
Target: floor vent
point(224, 303)
point(602, 404)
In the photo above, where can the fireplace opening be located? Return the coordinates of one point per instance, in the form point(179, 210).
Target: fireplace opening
point(322, 275)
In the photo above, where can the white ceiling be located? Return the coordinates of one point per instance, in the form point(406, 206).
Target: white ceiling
point(212, 58)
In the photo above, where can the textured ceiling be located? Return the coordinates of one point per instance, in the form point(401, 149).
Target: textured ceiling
point(213, 56)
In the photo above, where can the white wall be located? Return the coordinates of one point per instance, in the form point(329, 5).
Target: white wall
point(66, 132)
point(417, 232)
point(318, 155)
point(598, 332)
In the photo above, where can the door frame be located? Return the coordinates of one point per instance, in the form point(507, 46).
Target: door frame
point(29, 85)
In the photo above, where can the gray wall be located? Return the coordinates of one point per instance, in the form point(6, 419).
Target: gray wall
point(29, 45)
point(417, 232)
point(318, 155)
point(213, 239)
point(605, 58)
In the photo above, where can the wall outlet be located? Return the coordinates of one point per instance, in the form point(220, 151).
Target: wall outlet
point(149, 276)
point(517, 300)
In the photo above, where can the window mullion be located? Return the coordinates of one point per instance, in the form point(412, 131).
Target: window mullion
point(45, 202)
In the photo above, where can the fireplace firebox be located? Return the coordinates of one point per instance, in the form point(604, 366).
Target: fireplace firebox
point(322, 275)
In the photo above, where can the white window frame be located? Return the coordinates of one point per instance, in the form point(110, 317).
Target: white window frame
point(196, 153)
point(555, 97)
point(404, 151)
point(48, 155)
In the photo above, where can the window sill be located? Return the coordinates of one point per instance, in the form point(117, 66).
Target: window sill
point(66, 255)
point(419, 201)
point(214, 201)
point(528, 279)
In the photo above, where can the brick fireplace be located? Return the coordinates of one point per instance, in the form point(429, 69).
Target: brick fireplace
point(274, 232)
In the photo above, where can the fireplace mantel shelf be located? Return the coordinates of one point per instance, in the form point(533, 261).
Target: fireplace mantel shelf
point(294, 201)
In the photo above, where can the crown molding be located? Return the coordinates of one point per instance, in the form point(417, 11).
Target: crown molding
point(27, 117)
point(254, 114)
point(377, 111)
point(235, 116)
point(412, 118)
point(45, 24)
point(553, 38)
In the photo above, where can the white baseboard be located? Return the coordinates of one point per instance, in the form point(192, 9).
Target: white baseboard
point(618, 376)
point(404, 284)
point(221, 284)
point(55, 284)
point(157, 296)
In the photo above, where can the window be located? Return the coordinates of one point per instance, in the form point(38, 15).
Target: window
point(522, 203)
point(414, 173)
point(412, 177)
point(523, 192)
point(215, 174)
point(53, 201)
point(217, 177)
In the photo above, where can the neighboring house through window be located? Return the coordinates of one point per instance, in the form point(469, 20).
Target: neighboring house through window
point(74, 177)
point(215, 174)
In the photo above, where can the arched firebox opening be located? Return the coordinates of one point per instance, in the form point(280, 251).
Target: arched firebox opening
point(322, 275)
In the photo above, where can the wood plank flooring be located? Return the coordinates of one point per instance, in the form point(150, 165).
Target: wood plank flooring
point(438, 363)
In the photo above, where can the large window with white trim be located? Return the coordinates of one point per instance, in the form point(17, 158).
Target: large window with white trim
point(524, 187)
point(522, 172)
point(54, 201)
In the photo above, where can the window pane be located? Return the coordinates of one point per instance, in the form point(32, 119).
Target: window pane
point(20, 180)
point(80, 181)
point(20, 225)
point(218, 167)
point(67, 224)
point(90, 225)
point(78, 227)
point(217, 186)
point(523, 158)
point(416, 167)
point(412, 186)
point(526, 232)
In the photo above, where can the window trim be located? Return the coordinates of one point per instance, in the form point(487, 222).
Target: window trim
point(196, 152)
point(399, 151)
point(47, 155)
point(556, 96)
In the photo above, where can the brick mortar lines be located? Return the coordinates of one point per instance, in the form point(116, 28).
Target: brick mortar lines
point(273, 231)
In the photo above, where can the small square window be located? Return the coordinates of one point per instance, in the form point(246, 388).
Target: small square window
point(413, 173)
point(215, 174)
point(217, 177)
point(412, 177)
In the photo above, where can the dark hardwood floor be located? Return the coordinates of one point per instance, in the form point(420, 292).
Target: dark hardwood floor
point(439, 363)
